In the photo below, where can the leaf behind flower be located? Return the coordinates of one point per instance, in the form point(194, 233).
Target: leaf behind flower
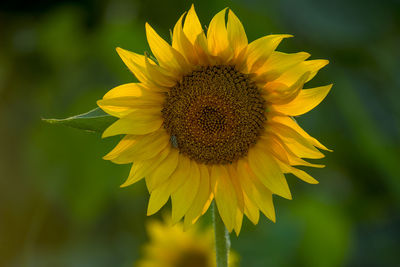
point(96, 120)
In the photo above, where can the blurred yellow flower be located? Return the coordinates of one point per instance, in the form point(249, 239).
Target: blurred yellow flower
point(211, 117)
point(171, 246)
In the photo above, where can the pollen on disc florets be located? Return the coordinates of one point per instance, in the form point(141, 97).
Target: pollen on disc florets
point(214, 114)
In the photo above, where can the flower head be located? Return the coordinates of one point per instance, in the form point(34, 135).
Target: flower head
point(212, 118)
point(171, 246)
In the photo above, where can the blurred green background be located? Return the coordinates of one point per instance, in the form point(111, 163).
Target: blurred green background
point(60, 203)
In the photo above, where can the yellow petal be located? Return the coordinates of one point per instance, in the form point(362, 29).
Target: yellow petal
point(225, 195)
point(236, 33)
point(260, 50)
point(255, 190)
point(202, 196)
point(268, 172)
point(303, 176)
point(304, 102)
point(126, 143)
point(137, 123)
point(140, 169)
point(142, 148)
point(263, 199)
point(251, 210)
point(133, 90)
point(192, 27)
point(180, 175)
point(132, 178)
point(208, 203)
point(233, 175)
point(136, 64)
point(203, 55)
point(278, 63)
point(292, 75)
point(296, 143)
point(279, 93)
point(125, 90)
point(238, 221)
point(299, 173)
point(184, 196)
point(195, 34)
point(157, 200)
point(181, 43)
point(163, 171)
point(290, 122)
point(280, 151)
point(176, 35)
point(167, 56)
point(124, 105)
point(159, 76)
point(217, 37)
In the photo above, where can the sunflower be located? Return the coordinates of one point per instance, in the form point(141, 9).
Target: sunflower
point(212, 118)
point(171, 246)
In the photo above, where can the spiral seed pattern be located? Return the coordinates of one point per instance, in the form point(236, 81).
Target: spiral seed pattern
point(215, 114)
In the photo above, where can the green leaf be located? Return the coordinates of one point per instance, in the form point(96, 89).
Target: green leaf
point(95, 120)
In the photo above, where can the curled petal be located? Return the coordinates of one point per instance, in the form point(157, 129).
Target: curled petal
point(282, 152)
point(279, 93)
point(290, 122)
point(305, 101)
point(292, 74)
point(300, 146)
point(260, 50)
point(277, 64)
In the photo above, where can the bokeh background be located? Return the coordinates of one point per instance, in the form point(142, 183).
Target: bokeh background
point(60, 203)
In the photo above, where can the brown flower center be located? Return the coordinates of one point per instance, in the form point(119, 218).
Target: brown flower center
point(214, 114)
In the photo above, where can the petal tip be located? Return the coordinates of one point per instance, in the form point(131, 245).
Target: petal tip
point(99, 103)
point(120, 51)
point(106, 157)
point(125, 184)
point(104, 135)
point(288, 195)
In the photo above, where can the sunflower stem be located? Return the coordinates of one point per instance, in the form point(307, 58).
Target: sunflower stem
point(222, 241)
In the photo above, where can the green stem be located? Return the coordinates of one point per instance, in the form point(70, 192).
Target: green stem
point(222, 242)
